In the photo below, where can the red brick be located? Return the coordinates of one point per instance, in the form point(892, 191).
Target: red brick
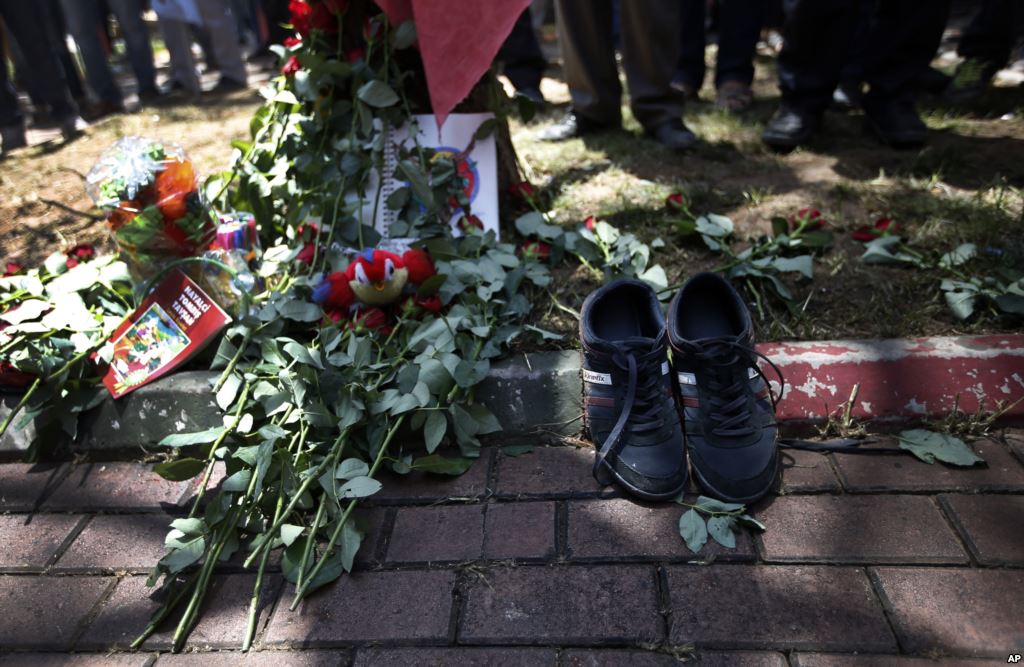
point(847, 660)
point(462, 656)
point(620, 528)
point(256, 659)
point(115, 486)
point(368, 606)
point(858, 529)
point(549, 472)
point(866, 473)
point(75, 660)
point(423, 487)
point(221, 623)
point(807, 472)
point(788, 607)
point(616, 657)
point(991, 526)
point(562, 604)
point(117, 542)
point(43, 613)
point(956, 611)
point(520, 530)
point(22, 485)
point(29, 542)
point(440, 533)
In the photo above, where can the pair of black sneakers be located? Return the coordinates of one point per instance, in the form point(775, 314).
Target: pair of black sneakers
point(645, 415)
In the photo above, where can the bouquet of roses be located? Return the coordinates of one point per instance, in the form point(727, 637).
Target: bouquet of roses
point(155, 210)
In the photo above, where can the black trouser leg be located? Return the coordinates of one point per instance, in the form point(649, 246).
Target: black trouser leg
point(911, 31)
point(650, 51)
point(739, 27)
point(524, 62)
point(990, 35)
point(26, 25)
point(817, 36)
point(10, 112)
point(690, 69)
point(585, 36)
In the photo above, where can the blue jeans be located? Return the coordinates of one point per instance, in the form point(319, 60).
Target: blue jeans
point(85, 19)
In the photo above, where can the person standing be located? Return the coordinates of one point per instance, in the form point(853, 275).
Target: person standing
point(523, 59)
point(215, 17)
point(739, 27)
point(650, 50)
point(85, 20)
point(985, 46)
point(817, 37)
point(26, 25)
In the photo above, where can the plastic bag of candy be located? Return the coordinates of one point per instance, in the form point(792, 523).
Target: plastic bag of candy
point(236, 246)
point(155, 209)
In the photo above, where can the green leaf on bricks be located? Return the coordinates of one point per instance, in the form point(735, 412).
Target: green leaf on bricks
point(929, 445)
point(693, 530)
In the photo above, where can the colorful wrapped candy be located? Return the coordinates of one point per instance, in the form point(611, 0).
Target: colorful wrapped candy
point(155, 210)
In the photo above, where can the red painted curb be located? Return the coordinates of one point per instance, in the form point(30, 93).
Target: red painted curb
point(899, 379)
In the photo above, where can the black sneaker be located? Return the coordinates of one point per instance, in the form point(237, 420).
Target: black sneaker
point(728, 410)
point(628, 405)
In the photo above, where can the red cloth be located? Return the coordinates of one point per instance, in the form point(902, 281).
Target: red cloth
point(458, 40)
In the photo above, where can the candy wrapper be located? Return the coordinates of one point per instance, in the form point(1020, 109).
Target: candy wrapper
point(155, 210)
point(236, 245)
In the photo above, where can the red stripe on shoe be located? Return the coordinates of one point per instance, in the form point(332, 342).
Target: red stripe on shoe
point(599, 401)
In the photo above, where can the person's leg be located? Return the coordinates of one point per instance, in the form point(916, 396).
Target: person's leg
point(136, 42)
point(990, 36)
point(220, 25)
point(911, 32)
point(739, 27)
point(26, 25)
point(183, 68)
point(524, 62)
point(689, 74)
point(85, 22)
point(584, 35)
point(650, 51)
point(57, 28)
point(12, 121)
point(817, 37)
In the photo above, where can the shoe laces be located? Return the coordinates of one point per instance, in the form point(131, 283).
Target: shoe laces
point(641, 409)
point(728, 391)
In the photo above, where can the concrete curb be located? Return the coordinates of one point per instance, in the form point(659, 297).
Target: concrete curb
point(539, 394)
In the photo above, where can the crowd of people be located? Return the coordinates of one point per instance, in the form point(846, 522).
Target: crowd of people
point(872, 54)
point(33, 36)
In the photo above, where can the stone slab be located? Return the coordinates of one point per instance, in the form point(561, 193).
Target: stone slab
point(44, 613)
point(394, 606)
point(857, 529)
point(992, 526)
point(536, 394)
point(29, 542)
point(618, 528)
point(24, 485)
point(777, 607)
point(554, 605)
point(955, 611)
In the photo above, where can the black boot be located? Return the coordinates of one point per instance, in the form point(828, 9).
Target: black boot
point(790, 127)
point(895, 122)
point(572, 126)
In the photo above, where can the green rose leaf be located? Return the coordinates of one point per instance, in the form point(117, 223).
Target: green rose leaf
point(929, 445)
point(197, 438)
point(712, 505)
point(179, 470)
point(289, 533)
point(359, 487)
point(351, 468)
point(434, 429)
point(378, 94)
point(440, 465)
point(693, 530)
point(750, 522)
point(300, 311)
point(720, 528)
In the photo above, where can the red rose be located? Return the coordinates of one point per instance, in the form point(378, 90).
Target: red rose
point(354, 55)
point(82, 252)
point(430, 304)
point(882, 227)
point(812, 218)
point(301, 16)
point(12, 377)
point(292, 40)
point(306, 254)
point(419, 265)
point(675, 201)
point(291, 66)
point(524, 190)
point(468, 222)
point(371, 319)
point(590, 222)
point(324, 18)
point(13, 268)
point(536, 249)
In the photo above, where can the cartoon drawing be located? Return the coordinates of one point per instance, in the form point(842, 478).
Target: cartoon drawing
point(150, 343)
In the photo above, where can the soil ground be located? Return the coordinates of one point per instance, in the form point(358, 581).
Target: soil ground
point(966, 185)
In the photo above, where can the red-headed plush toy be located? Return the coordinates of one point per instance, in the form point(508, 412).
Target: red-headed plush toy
point(376, 278)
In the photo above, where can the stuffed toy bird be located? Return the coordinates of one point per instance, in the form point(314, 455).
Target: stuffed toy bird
point(375, 278)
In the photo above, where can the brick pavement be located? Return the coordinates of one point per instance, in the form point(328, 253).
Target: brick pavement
point(526, 561)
